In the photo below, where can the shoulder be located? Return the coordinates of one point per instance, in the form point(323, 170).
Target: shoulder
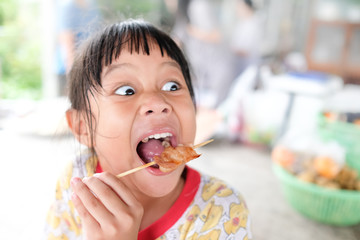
point(218, 210)
point(62, 220)
point(213, 188)
point(83, 165)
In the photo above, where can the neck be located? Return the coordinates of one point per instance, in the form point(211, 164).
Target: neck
point(155, 208)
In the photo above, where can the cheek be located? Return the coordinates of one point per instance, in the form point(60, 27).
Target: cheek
point(189, 123)
point(113, 121)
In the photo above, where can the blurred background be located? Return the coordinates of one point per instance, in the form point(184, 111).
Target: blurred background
point(266, 73)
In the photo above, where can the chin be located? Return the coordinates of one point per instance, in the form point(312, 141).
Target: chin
point(160, 186)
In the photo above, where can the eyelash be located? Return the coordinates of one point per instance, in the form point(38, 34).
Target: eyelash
point(126, 92)
point(173, 83)
point(131, 91)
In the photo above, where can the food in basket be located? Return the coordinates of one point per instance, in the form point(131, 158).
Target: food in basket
point(326, 167)
point(343, 129)
point(321, 184)
point(348, 178)
point(330, 206)
point(283, 156)
point(321, 170)
point(349, 117)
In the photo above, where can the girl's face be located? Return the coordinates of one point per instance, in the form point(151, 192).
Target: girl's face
point(142, 95)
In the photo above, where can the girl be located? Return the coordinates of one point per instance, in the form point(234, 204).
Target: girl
point(130, 90)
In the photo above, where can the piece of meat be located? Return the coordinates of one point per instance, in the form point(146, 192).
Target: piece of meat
point(172, 157)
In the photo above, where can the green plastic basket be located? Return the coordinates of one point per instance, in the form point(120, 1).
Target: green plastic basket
point(346, 134)
point(335, 207)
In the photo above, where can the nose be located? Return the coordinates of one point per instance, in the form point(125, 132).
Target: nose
point(155, 104)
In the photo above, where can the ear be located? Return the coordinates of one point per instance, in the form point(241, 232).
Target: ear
point(78, 126)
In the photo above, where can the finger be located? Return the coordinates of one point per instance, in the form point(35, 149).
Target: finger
point(87, 219)
point(120, 189)
point(90, 202)
point(108, 197)
point(116, 197)
point(120, 212)
point(100, 223)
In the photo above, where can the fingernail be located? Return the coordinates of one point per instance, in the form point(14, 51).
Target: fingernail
point(74, 197)
point(75, 180)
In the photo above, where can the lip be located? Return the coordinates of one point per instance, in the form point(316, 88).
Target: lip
point(156, 130)
point(173, 139)
point(156, 171)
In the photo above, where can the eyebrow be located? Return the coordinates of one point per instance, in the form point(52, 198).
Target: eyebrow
point(112, 67)
point(172, 64)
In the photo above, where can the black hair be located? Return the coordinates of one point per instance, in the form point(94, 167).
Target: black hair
point(104, 47)
point(249, 3)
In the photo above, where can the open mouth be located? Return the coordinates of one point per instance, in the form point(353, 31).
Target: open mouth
point(153, 145)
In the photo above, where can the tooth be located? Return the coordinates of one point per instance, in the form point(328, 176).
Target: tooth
point(165, 136)
point(165, 144)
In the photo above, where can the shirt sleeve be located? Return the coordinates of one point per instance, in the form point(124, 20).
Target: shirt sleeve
point(62, 222)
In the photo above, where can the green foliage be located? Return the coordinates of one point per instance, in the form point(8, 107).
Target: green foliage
point(7, 11)
point(19, 53)
point(149, 10)
point(20, 50)
point(21, 77)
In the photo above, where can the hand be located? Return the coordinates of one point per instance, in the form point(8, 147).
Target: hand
point(107, 208)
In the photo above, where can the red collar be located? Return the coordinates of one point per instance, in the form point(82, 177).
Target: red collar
point(187, 195)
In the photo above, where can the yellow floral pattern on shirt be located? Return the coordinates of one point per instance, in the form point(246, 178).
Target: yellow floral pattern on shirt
point(217, 212)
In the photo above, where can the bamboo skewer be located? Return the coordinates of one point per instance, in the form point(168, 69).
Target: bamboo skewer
point(153, 162)
point(203, 143)
point(135, 169)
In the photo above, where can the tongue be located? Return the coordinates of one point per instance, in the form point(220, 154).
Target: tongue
point(148, 150)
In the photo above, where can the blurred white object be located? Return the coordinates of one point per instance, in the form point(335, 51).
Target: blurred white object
point(44, 118)
point(307, 94)
point(296, 61)
point(353, 14)
point(306, 84)
point(329, 11)
point(345, 100)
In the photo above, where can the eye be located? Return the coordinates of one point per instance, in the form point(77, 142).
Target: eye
point(170, 86)
point(125, 91)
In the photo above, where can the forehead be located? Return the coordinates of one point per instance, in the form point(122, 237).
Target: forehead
point(146, 46)
point(128, 59)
